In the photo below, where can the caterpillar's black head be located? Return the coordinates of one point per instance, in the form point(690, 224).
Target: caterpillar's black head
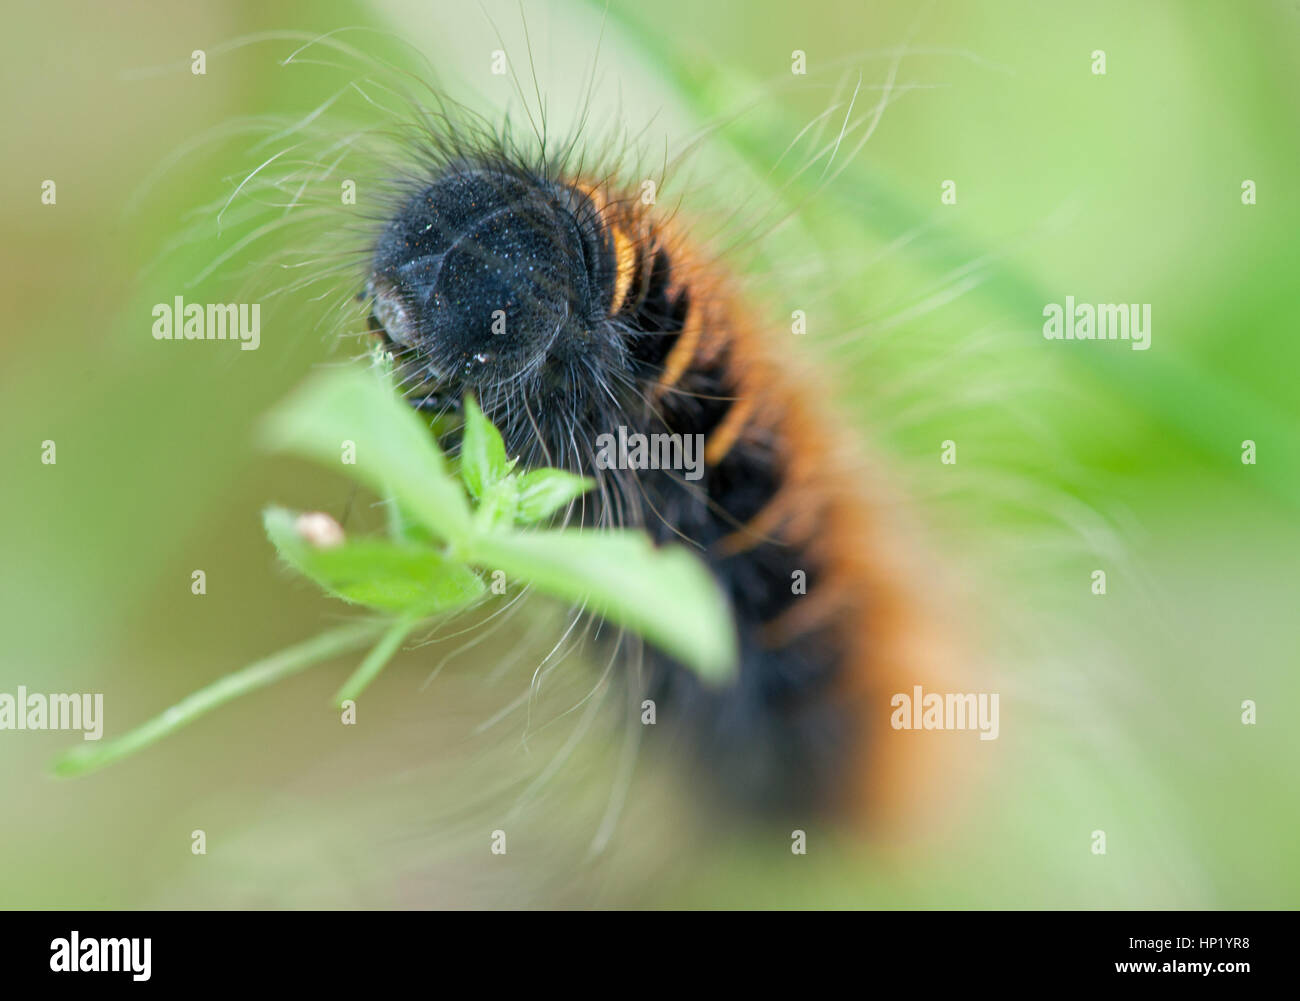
point(495, 281)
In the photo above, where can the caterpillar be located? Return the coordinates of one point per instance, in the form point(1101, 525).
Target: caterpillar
point(537, 277)
point(572, 311)
point(1080, 467)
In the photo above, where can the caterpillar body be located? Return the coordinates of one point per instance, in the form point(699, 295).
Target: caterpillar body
point(572, 310)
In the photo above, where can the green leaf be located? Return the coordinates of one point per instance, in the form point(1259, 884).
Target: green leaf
point(483, 461)
point(542, 492)
point(395, 452)
point(403, 527)
point(665, 594)
point(496, 511)
point(403, 578)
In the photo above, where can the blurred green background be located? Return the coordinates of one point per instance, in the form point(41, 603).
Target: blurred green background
point(1120, 713)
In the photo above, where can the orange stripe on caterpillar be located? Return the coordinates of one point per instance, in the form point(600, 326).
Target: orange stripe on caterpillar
point(625, 266)
point(626, 226)
point(726, 433)
point(682, 353)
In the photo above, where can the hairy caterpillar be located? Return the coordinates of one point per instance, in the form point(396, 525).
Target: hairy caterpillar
point(573, 311)
point(927, 310)
point(539, 279)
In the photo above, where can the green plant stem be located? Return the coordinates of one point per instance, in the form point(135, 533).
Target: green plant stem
point(376, 659)
point(91, 757)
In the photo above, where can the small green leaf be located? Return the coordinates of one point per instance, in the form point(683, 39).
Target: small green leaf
point(395, 453)
point(666, 594)
point(483, 460)
point(496, 511)
point(374, 572)
point(542, 492)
